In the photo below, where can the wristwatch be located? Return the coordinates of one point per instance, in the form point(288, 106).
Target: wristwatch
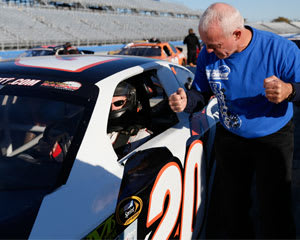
point(292, 95)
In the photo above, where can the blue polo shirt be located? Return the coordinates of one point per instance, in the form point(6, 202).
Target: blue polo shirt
point(237, 82)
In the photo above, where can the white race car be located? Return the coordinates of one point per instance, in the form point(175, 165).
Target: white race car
point(61, 176)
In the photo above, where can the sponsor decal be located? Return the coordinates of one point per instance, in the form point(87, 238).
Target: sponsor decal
point(69, 85)
point(19, 82)
point(128, 210)
point(175, 198)
point(106, 230)
point(4, 81)
point(24, 82)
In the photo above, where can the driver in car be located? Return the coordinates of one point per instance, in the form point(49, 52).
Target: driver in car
point(125, 130)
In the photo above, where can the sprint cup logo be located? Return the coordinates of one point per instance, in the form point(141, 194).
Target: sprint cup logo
point(128, 210)
point(69, 85)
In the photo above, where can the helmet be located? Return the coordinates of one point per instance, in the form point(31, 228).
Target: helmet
point(125, 89)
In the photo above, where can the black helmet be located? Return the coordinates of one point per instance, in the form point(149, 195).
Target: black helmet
point(125, 89)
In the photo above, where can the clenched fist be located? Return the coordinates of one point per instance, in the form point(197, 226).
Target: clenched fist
point(178, 100)
point(277, 90)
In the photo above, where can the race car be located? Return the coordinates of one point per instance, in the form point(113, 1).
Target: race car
point(160, 50)
point(46, 50)
point(61, 176)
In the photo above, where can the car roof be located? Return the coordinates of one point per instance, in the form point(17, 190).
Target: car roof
point(64, 78)
point(86, 69)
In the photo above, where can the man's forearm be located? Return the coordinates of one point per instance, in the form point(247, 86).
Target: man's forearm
point(196, 100)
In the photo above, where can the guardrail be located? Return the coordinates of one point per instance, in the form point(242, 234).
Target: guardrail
point(19, 45)
point(8, 54)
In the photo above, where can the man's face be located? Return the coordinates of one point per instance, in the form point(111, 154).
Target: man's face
point(215, 41)
point(118, 102)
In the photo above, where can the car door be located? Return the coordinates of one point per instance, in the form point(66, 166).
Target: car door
point(163, 180)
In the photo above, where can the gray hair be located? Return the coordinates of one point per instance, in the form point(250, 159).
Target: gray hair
point(228, 18)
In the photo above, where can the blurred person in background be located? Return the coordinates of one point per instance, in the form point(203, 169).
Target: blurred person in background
point(69, 49)
point(192, 42)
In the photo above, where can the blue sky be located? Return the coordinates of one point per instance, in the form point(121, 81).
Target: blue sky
point(253, 10)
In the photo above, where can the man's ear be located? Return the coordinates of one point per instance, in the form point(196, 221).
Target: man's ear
point(237, 34)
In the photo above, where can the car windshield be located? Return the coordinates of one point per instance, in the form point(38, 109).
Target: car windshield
point(36, 135)
point(142, 51)
point(173, 48)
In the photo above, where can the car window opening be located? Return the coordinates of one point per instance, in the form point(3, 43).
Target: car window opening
point(167, 51)
point(141, 119)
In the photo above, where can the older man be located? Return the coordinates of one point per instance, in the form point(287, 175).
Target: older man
point(255, 76)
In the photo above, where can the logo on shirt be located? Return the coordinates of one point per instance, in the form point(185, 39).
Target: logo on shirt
point(230, 120)
point(218, 74)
